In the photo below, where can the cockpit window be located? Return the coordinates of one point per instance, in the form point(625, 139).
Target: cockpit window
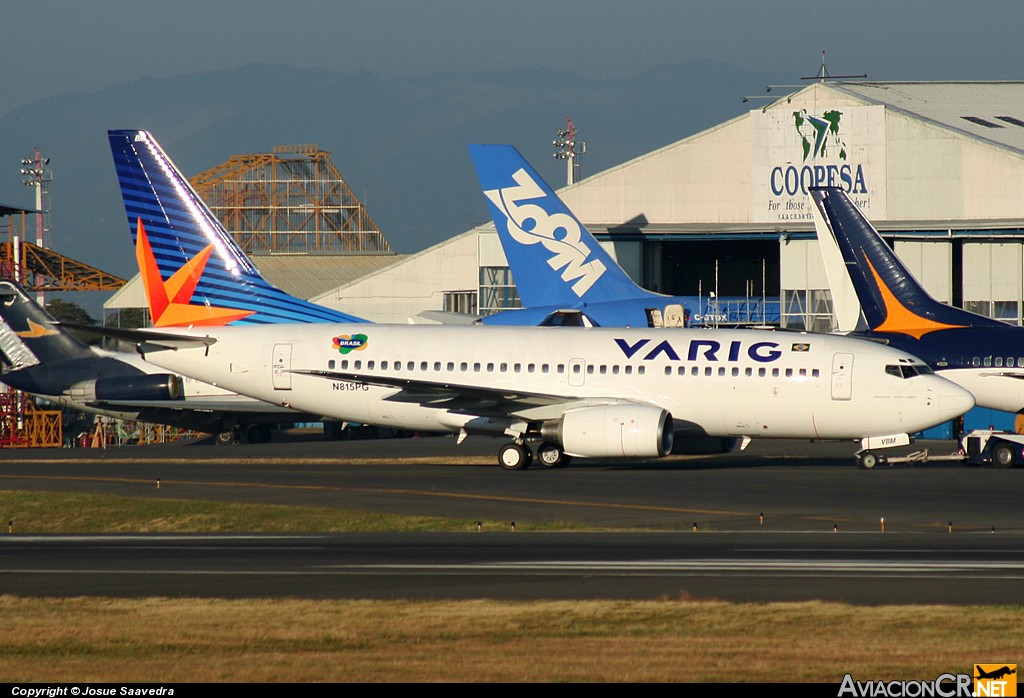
point(908, 370)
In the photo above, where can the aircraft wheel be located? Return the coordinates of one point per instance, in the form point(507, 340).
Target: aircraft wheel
point(258, 434)
point(1003, 456)
point(551, 456)
point(513, 456)
point(227, 437)
point(867, 460)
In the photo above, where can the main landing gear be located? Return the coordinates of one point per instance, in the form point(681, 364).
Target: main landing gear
point(255, 434)
point(517, 456)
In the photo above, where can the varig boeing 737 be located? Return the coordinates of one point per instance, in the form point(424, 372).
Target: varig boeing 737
point(876, 297)
point(572, 391)
point(589, 392)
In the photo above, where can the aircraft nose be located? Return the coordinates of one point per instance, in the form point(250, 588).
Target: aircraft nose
point(953, 400)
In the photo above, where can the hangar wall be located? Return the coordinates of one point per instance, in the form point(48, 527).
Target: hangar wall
point(941, 185)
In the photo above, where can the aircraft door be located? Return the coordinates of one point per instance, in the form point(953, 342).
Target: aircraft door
point(577, 372)
point(842, 376)
point(282, 366)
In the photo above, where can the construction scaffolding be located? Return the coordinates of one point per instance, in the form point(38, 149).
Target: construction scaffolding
point(24, 425)
point(291, 201)
point(37, 268)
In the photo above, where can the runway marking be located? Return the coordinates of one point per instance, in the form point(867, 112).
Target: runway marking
point(380, 490)
point(848, 568)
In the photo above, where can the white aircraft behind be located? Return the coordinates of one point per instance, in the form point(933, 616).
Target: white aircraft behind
point(587, 392)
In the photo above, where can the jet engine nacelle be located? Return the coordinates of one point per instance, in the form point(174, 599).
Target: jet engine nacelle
point(156, 386)
point(627, 430)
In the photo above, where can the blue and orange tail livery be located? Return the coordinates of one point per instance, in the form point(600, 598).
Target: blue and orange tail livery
point(556, 261)
point(193, 271)
point(891, 299)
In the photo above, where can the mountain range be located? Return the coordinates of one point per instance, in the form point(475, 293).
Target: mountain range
point(399, 143)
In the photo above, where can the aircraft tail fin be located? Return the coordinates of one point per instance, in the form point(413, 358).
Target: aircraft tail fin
point(890, 298)
point(29, 335)
point(556, 260)
point(193, 271)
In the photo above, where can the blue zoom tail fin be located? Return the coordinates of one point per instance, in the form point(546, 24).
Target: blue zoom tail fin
point(890, 297)
point(556, 259)
point(193, 271)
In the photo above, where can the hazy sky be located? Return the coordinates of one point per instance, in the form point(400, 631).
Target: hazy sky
point(62, 46)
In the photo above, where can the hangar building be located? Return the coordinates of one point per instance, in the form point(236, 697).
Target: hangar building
point(936, 166)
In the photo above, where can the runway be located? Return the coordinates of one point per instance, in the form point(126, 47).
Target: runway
point(783, 521)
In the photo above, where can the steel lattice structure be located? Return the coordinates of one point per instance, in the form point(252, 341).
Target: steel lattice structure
point(291, 201)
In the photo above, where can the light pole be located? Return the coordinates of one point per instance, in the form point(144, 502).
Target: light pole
point(33, 168)
point(569, 149)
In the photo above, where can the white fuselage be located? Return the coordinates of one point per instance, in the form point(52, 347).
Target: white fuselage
point(482, 379)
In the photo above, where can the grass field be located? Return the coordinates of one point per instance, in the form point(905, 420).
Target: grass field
point(485, 640)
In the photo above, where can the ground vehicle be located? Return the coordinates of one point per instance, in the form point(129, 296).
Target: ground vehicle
point(1001, 449)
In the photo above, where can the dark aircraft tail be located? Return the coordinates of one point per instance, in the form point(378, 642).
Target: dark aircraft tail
point(29, 335)
point(890, 298)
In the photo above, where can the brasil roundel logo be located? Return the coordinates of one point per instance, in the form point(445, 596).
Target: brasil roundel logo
point(346, 343)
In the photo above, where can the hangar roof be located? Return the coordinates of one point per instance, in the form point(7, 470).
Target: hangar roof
point(306, 276)
point(991, 111)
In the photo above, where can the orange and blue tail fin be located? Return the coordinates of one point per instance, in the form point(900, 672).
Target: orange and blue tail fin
point(193, 271)
point(890, 298)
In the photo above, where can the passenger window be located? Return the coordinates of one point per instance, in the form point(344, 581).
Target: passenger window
point(370, 365)
point(615, 370)
point(463, 366)
point(694, 371)
point(641, 370)
point(590, 369)
point(451, 365)
point(330, 364)
point(358, 365)
point(999, 362)
point(437, 365)
point(775, 373)
point(503, 368)
point(707, 371)
point(423, 365)
point(490, 368)
point(815, 373)
point(629, 370)
point(476, 367)
point(762, 372)
point(735, 372)
point(344, 364)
